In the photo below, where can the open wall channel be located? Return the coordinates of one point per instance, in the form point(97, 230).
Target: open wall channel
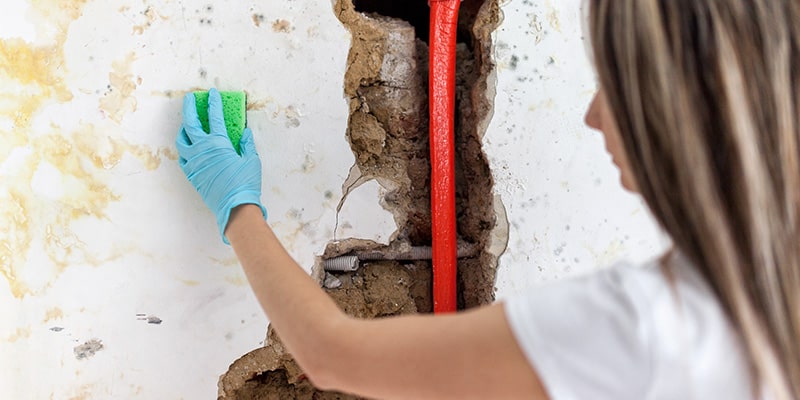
point(387, 83)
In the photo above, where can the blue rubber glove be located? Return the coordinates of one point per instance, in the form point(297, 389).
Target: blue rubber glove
point(223, 178)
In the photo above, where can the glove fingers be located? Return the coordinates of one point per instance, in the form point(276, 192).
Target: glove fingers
point(216, 118)
point(247, 143)
point(221, 177)
point(184, 144)
point(191, 122)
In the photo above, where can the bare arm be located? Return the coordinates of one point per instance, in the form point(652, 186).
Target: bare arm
point(459, 356)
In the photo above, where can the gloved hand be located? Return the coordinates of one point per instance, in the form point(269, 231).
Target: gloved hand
point(223, 178)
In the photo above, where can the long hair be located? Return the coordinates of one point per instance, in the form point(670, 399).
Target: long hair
point(706, 96)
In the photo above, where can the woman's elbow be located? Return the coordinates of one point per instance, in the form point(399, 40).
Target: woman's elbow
point(324, 363)
point(323, 378)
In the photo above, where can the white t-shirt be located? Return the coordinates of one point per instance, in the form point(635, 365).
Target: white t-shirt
point(628, 333)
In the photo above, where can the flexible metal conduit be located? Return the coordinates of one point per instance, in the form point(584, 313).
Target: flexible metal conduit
point(442, 94)
point(351, 262)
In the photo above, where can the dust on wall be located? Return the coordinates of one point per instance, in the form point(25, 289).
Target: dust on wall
point(386, 83)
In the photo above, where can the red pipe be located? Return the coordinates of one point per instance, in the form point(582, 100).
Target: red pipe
point(442, 95)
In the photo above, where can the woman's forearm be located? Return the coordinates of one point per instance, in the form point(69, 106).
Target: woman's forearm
point(295, 304)
point(423, 357)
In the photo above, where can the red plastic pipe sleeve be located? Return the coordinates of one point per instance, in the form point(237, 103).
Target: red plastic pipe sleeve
point(442, 95)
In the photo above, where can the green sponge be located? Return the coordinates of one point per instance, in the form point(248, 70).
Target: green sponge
point(234, 108)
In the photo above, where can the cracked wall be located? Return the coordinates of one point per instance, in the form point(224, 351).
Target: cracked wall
point(109, 249)
point(386, 83)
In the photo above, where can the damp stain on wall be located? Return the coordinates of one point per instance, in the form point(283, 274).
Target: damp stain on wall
point(52, 314)
point(144, 18)
point(118, 100)
point(52, 176)
point(20, 333)
point(552, 17)
point(282, 26)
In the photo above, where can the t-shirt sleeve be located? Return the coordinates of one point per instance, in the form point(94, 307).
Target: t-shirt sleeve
point(584, 338)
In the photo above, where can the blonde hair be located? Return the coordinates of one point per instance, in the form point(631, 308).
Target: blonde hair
point(706, 95)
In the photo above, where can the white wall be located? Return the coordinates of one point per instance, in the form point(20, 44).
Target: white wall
point(567, 211)
point(103, 231)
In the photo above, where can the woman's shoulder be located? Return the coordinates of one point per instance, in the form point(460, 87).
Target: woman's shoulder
point(657, 322)
point(688, 332)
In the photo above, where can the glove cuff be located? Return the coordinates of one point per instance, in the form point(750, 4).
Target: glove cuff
point(233, 201)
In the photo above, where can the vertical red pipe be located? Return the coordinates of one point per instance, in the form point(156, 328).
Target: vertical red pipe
point(442, 94)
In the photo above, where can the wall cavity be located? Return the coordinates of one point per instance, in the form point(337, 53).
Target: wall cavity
point(386, 83)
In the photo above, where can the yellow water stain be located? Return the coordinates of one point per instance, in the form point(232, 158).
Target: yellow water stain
point(545, 104)
point(174, 94)
point(258, 19)
point(35, 76)
point(170, 94)
point(169, 153)
point(228, 262)
point(259, 104)
point(237, 280)
point(29, 65)
point(61, 12)
point(150, 16)
point(41, 68)
point(552, 17)
point(35, 73)
point(282, 25)
point(106, 151)
point(30, 218)
point(15, 240)
point(53, 313)
point(139, 29)
point(82, 158)
point(62, 246)
point(119, 101)
point(290, 232)
point(609, 254)
point(84, 392)
point(190, 282)
point(21, 333)
point(69, 156)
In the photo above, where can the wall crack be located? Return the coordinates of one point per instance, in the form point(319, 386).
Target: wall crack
point(387, 83)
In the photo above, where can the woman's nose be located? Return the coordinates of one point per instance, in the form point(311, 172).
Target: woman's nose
point(592, 118)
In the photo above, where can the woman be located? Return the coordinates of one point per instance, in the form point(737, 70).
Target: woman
point(700, 108)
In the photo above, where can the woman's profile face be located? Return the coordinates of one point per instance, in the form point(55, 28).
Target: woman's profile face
point(599, 117)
